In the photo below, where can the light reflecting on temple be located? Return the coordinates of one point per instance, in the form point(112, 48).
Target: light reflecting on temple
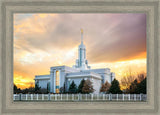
point(57, 81)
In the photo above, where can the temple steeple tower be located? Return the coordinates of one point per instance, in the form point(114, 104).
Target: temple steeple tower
point(82, 62)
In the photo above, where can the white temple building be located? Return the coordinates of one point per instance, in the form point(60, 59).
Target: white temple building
point(64, 74)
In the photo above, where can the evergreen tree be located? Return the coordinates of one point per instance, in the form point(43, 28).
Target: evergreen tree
point(88, 87)
point(16, 89)
point(37, 88)
point(81, 86)
point(142, 87)
point(115, 88)
point(73, 88)
point(48, 87)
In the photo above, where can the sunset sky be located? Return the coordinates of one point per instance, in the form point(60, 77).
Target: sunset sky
point(115, 41)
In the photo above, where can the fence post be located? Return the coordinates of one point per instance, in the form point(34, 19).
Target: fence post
point(55, 96)
point(129, 97)
point(13, 97)
point(123, 96)
point(61, 96)
point(140, 96)
point(110, 96)
point(72, 97)
point(80, 96)
point(135, 97)
point(26, 96)
point(42, 96)
point(67, 96)
point(117, 96)
point(86, 96)
point(31, 96)
point(92, 97)
point(103, 96)
point(37, 96)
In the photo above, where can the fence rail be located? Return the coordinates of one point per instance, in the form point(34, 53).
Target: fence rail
point(80, 97)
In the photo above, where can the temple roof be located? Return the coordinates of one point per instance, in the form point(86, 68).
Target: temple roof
point(83, 75)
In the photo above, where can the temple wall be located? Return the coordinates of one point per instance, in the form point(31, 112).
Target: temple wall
point(105, 73)
point(43, 83)
point(62, 78)
point(96, 85)
point(77, 81)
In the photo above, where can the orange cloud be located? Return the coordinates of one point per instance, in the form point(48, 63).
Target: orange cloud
point(22, 80)
point(122, 68)
point(116, 41)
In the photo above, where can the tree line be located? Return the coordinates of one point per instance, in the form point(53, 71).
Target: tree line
point(130, 84)
point(31, 89)
point(85, 87)
point(134, 84)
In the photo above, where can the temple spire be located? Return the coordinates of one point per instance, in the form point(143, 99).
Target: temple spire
point(82, 62)
point(81, 36)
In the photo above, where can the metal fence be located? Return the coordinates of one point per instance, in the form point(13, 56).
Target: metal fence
point(79, 97)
